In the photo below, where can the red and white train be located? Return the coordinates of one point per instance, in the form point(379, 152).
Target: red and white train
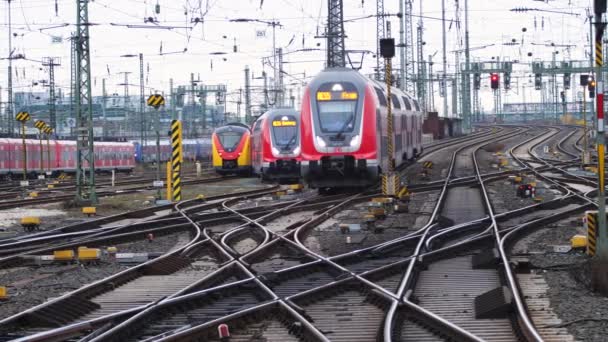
point(275, 145)
point(343, 129)
point(108, 156)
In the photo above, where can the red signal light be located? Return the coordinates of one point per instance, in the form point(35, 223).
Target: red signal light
point(494, 81)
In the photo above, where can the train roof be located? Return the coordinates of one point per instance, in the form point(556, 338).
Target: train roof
point(355, 77)
point(232, 128)
point(274, 112)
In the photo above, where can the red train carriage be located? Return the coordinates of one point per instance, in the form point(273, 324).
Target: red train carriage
point(343, 129)
point(108, 156)
point(230, 149)
point(275, 145)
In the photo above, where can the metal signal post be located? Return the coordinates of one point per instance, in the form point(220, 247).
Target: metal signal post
point(48, 131)
point(41, 125)
point(23, 117)
point(390, 180)
point(157, 101)
point(599, 278)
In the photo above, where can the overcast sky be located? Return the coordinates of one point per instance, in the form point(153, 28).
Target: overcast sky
point(35, 22)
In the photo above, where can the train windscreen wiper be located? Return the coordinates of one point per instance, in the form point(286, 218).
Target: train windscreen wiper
point(341, 131)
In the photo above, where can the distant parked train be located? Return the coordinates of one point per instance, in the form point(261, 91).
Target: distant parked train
point(108, 156)
point(343, 129)
point(230, 149)
point(193, 149)
point(275, 145)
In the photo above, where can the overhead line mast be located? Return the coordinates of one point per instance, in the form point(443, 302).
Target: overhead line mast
point(85, 161)
point(335, 34)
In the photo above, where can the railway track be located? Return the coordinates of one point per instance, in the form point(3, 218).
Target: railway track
point(265, 281)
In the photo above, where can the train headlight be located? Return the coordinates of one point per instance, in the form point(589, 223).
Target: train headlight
point(321, 142)
point(297, 150)
point(355, 141)
point(275, 151)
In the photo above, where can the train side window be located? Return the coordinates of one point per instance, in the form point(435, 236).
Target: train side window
point(408, 106)
point(396, 103)
point(381, 97)
point(416, 105)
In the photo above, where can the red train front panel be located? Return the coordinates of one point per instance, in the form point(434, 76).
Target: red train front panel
point(276, 145)
point(344, 141)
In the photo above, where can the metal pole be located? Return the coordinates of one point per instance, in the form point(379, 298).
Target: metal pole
point(9, 108)
point(467, 75)
point(599, 274)
point(173, 115)
point(402, 45)
point(48, 152)
point(159, 194)
point(24, 150)
point(274, 58)
point(389, 116)
point(104, 99)
point(41, 152)
point(445, 60)
point(248, 96)
point(585, 142)
point(591, 40)
point(142, 100)
point(555, 96)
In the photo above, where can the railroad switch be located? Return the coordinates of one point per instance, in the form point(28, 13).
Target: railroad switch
point(50, 186)
point(30, 223)
point(516, 179)
point(578, 242)
point(401, 208)
point(296, 187)
point(370, 221)
point(33, 194)
point(425, 175)
point(3, 293)
point(404, 194)
point(89, 254)
point(89, 211)
point(64, 255)
point(379, 213)
point(200, 197)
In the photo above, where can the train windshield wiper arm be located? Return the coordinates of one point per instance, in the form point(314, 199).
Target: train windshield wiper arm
point(341, 131)
point(291, 141)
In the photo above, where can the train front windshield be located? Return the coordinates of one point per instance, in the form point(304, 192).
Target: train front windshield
point(229, 139)
point(285, 132)
point(337, 107)
point(337, 116)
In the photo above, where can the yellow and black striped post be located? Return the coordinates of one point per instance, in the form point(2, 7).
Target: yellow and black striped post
point(176, 159)
point(48, 130)
point(591, 220)
point(602, 238)
point(41, 125)
point(23, 117)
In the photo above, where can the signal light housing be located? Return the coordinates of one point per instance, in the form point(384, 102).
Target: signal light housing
point(494, 81)
point(591, 88)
